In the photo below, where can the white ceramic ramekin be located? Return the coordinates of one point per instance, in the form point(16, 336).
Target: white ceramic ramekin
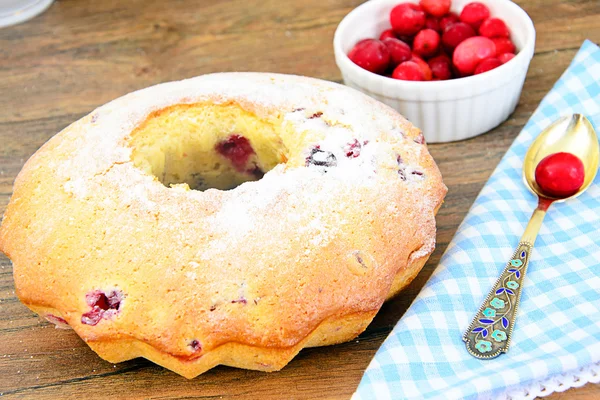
point(16, 11)
point(445, 110)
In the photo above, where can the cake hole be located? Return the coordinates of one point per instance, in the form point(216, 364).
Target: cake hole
point(204, 146)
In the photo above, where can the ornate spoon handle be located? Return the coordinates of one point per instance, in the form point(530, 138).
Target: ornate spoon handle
point(489, 334)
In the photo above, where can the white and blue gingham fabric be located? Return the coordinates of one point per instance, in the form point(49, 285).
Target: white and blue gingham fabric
point(557, 329)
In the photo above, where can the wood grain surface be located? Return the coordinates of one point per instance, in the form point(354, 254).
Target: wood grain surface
point(83, 53)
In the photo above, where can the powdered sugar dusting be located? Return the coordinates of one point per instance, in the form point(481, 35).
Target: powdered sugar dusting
point(335, 116)
point(234, 217)
point(251, 207)
point(105, 140)
point(78, 187)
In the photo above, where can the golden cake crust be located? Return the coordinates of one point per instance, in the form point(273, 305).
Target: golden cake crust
point(245, 277)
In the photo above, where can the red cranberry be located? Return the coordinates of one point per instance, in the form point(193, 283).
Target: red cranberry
point(407, 19)
point(487, 65)
point(423, 65)
point(408, 71)
point(560, 175)
point(426, 43)
point(195, 345)
point(471, 52)
point(92, 317)
point(455, 34)
point(456, 73)
point(388, 33)
point(110, 301)
point(399, 51)
point(448, 20)
point(504, 45)
point(353, 149)
point(236, 149)
point(433, 23)
point(441, 67)
point(406, 39)
point(506, 57)
point(101, 303)
point(401, 167)
point(58, 321)
point(370, 54)
point(437, 8)
point(494, 27)
point(474, 14)
point(420, 174)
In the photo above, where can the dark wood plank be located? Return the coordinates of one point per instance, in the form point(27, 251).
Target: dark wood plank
point(83, 53)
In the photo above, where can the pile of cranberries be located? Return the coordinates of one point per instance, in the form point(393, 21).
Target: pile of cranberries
point(427, 42)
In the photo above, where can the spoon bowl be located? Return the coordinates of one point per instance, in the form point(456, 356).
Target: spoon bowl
point(571, 134)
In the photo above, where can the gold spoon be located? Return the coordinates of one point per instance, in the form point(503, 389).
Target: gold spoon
point(489, 334)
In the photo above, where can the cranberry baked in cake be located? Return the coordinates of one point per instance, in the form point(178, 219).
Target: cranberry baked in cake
point(227, 219)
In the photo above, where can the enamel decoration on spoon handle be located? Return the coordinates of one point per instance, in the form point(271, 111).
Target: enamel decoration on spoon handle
point(489, 333)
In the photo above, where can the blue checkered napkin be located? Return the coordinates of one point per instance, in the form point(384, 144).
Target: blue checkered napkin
point(557, 332)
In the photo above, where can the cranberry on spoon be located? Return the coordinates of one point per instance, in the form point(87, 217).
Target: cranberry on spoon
point(560, 175)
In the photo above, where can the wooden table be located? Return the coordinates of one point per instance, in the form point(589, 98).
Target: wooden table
point(83, 53)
